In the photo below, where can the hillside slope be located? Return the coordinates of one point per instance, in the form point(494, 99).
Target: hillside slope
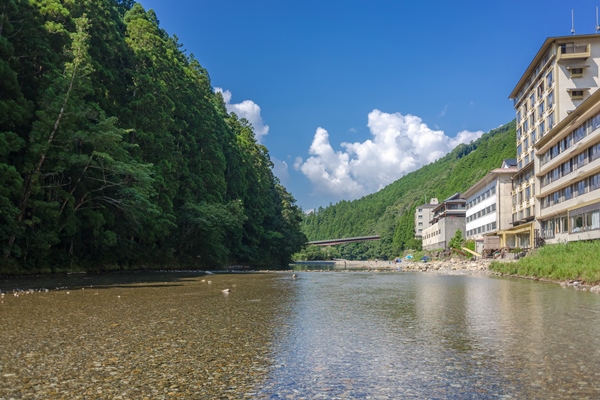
point(390, 211)
point(115, 151)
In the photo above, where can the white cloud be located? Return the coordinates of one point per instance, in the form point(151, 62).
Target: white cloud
point(400, 144)
point(246, 109)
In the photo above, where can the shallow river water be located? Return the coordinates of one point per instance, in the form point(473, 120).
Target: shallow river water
point(328, 335)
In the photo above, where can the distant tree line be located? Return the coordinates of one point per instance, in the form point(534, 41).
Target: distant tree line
point(116, 153)
point(390, 212)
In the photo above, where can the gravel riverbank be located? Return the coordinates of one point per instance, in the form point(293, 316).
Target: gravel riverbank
point(450, 267)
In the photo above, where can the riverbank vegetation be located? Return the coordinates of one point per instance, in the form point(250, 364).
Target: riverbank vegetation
point(566, 261)
point(390, 212)
point(115, 151)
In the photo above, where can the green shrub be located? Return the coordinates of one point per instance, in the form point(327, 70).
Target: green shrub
point(570, 261)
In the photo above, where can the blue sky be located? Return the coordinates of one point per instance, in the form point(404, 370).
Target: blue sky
point(348, 96)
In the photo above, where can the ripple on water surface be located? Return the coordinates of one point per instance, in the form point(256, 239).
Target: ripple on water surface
point(323, 335)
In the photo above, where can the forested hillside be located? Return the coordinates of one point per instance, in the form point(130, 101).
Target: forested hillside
point(390, 212)
point(116, 153)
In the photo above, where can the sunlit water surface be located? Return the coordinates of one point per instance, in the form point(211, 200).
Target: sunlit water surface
point(324, 335)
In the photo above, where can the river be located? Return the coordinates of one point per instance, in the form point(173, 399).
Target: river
point(329, 335)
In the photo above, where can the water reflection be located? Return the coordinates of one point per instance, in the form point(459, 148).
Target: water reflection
point(427, 336)
point(323, 335)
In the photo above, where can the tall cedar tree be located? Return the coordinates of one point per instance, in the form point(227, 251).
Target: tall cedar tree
point(114, 150)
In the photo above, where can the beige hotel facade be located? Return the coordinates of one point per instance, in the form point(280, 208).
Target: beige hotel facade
point(550, 100)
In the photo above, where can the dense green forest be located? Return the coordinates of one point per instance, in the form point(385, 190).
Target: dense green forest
point(390, 212)
point(116, 153)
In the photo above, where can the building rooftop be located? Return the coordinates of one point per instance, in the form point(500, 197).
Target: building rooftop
point(509, 162)
point(540, 54)
point(493, 174)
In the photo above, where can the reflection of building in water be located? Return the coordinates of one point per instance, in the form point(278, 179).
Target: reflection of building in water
point(482, 309)
point(441, 306)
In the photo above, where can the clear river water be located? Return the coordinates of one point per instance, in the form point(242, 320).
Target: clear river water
point(324, 335)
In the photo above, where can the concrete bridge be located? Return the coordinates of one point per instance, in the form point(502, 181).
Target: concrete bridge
point(331, 242)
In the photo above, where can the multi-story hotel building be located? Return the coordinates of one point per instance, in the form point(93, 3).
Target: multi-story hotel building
point(568, 169)
point(448, 217)
point(562, 76)
point(423, 217)
point(489, 207)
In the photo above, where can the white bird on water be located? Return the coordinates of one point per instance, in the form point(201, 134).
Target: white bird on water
point(226, 290)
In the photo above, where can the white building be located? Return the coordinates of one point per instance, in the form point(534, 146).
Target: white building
point(489, 207)
point(448, 217)
point(423, 217)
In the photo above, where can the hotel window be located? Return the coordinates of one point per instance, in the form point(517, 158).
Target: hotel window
point(568, 192)
point(532, 118)
point(568, 141)
point(518, 116)
point(420, 224)
point(594, 152)
point(580, 187)
point(550, 100)
point(519, 149)
point(540, 90)
point(554, 151)
point(594, 182)
point(550, 121)
point(532, 100)
point(576, 72)
point(541, 130)
point(588, 126)
point(555, 198)
point(555, 174)
point(541, 110)
point(419, 210)
point(566, 168)
point(596, 121)
point(580, 160)
point(420, 217)
point(585, 221)
point(549, 79)
point(576, 94)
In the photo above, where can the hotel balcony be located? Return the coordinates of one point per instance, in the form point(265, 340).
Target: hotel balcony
point(572, 51)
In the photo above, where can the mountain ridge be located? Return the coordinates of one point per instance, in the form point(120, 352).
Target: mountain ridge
point(390, 211)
